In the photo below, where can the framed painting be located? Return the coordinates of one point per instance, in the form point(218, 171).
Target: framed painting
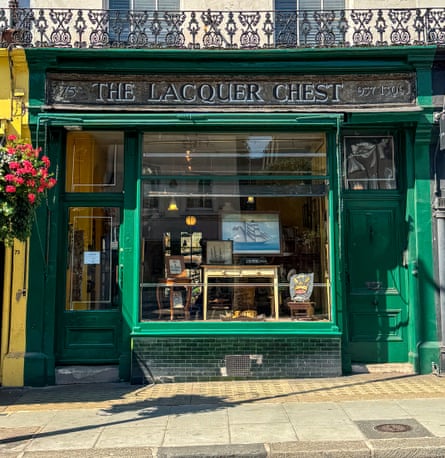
point(175, 266)
point(252, 232)
point(219, 252)
point(369, 163)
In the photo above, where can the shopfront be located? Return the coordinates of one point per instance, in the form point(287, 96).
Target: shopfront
point(215, 224)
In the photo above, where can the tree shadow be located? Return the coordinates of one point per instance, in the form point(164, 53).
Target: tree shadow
point(142, 410)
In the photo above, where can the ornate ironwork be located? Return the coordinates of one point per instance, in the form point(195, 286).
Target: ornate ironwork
point(89, 28)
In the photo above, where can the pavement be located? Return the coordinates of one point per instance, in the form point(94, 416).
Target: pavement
point(361, 415)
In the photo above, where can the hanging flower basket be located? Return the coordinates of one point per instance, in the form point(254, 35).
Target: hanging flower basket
point(24, 179)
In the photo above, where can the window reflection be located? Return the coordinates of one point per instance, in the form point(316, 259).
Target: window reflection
point(226, 154)
point(93, 241)
point(94, 161)
point(273, 185)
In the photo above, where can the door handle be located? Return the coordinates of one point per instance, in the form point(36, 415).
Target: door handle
point(121, 275)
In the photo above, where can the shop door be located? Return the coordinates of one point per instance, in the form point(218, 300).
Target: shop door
point(376, 282)
point(90, 324)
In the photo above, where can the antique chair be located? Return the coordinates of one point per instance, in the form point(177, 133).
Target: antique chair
point(169, 292)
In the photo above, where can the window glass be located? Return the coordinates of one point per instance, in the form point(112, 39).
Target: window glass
point(140, 23)
point(300, 22)
point(94, 161)
point(241, 154)
point(93, 242)
point(225, 239)
point(369, 163)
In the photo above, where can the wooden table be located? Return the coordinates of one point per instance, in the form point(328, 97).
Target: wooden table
point(301, 309)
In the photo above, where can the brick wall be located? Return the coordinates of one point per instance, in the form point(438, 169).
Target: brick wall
point(204, 358)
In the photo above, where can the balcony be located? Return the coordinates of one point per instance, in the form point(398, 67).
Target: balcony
point(88, 28)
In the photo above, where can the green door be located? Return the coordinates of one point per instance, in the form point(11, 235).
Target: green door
point(376, 284)
point(90, 323)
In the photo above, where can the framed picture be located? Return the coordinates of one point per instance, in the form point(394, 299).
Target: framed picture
point(175, 266)
point(219, 251)
point(369, 163)
point(252, 232)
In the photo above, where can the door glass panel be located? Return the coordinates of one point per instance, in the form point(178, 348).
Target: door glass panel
point(93, 243)
point(94, 161)
point(228, 220)
point(369, 163)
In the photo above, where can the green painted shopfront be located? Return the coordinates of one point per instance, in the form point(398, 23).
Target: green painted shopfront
point(226, 214)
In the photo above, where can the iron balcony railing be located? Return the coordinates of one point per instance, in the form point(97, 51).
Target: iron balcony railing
point(88, 28)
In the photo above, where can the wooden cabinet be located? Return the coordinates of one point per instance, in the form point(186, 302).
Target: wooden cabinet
point(267, 272)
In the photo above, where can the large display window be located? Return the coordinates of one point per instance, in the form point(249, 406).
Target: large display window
point(234, 227)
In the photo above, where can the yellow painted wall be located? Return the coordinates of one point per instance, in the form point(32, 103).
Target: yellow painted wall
point(14, 92)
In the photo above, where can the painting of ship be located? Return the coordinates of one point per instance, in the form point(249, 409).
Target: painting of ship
point(252, 233)
point(219, 251)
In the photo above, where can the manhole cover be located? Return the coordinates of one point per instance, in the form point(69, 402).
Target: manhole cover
point(393, 428)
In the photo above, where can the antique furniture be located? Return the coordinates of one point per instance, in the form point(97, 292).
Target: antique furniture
point(174, 286)
point(242, 272)
point(300, 290)
point(301, 309)
point(175, 283)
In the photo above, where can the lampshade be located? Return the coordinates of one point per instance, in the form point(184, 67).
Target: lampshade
point(172, 207)
point(190, 220)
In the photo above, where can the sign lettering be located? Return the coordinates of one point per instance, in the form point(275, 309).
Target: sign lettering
point(158, 91)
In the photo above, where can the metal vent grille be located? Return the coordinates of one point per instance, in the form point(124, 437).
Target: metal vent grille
point(238, 365)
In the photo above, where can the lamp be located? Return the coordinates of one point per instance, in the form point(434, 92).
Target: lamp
point(190, 220)
point(250, 199)
point(172, 206)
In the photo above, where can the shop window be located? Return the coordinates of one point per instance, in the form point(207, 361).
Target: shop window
point(94, 161)
point(287, 154)
point(234, 260)
point(369, 163)
point(93, 242)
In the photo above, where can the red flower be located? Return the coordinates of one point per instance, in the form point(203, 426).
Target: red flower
point(10, 188)
point(27, 166)
point(31, 197)
point(11, 138)
point(51, 183)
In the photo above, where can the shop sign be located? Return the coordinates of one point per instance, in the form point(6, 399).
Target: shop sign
point(156, 91)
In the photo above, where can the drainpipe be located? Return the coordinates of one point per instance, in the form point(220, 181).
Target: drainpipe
point(439, 214)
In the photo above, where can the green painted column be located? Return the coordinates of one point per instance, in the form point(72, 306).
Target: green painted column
point(422, 266)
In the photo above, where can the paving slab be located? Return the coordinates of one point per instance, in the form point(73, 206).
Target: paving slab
point(374, 410)
point(330, 417)
point(248, 433)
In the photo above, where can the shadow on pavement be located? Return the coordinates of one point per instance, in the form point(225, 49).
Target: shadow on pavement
point(142, 410)
point(121, 391)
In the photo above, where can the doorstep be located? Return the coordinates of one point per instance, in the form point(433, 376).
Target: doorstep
point(67, 375)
